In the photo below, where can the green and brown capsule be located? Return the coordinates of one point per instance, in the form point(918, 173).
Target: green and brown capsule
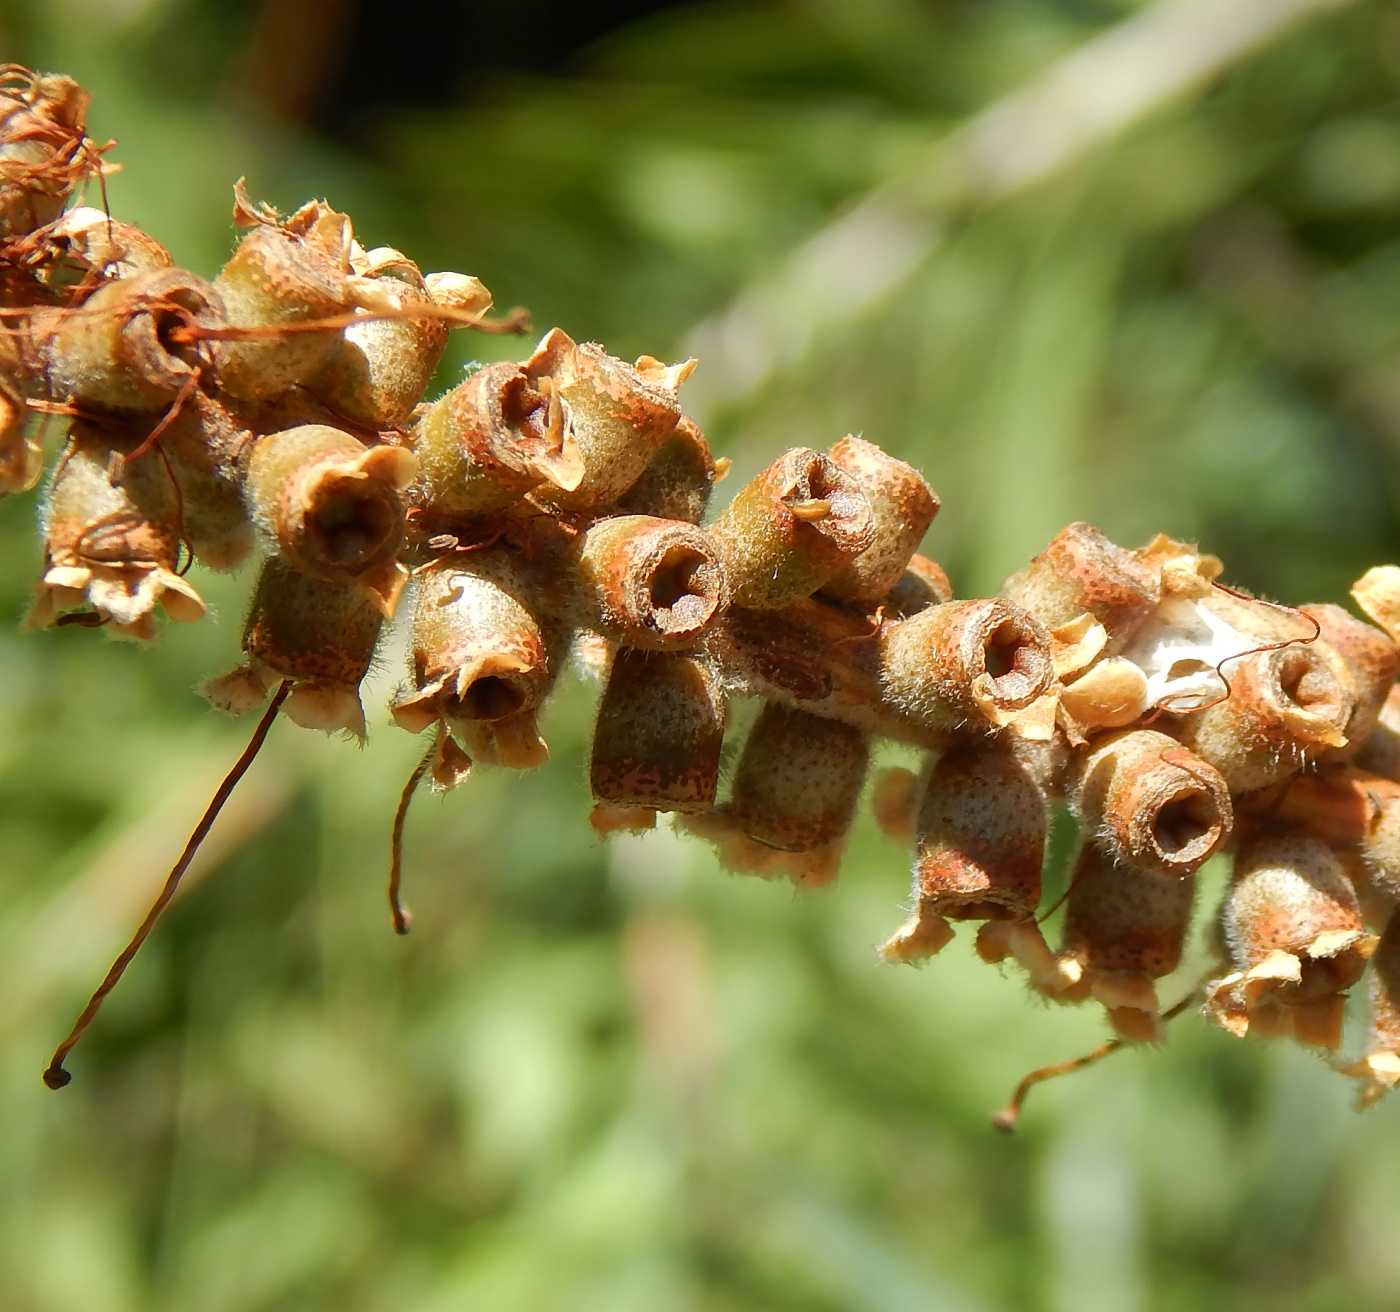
point(1379, 1069)
point(317, 633)
point(656, 744)
point(678, 482)
point(92, 247)
point(44, 152)
point(21, 458)
point(791, 530)
point(491, 440)
point(923, 583)
point(479, 661)
point(650, 583)
point(1296, 938)
point(332, 506)
point(902, 506)
point(1152, 804)
point(1124, 929)
point(112, 539)
point(979, 843)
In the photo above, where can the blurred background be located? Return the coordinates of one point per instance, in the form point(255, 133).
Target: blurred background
point(1075, 259)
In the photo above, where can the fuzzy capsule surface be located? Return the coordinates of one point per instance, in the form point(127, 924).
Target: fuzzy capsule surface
point(276, 281)
point(650, 583)
point(902, 506)
point(658, 735)
point(1371, 660)
point(1284, 707)
point(112, 545)
point(791, 529)
point(1153, 804)
point(798, 779)
point(619, 415)
point(332, 506)
point(1294, 930)
point(41, 150)
point(678, 481)
point(114, 352)
point(492, 439)
point(965, 662)
point(1124, 928)
point(923, 583)
point(1082, 571)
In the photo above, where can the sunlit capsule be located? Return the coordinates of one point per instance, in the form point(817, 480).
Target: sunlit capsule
point(1371, 661)
point(923, 583)
point(1296, 939)
point(319, 634)
point(112, 538)
point(332, 506)
point(1124, 929)
point(678, 482)
point(1152, 803)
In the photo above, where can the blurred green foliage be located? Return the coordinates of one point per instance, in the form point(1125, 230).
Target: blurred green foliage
point(612, 1077)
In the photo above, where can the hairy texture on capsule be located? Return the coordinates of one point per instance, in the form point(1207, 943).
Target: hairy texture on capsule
point(332, 506)
point(1369, 658)
point(902, 506)
point(44, 153)
point(965, 662)
point(1284, 708)
point(648, 582)
point(491, 440)
point(1124, 928)
point(1153, 804)
point(678, 482)
point(618, 414)
point(112, 536)
point(657, 739)
point(1296, 939)
point(116, 351)
point(792, 529)
point(1082, 571)
point(319, 634)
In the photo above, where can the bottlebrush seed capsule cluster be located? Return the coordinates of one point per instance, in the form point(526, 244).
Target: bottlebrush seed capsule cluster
point(557, 509)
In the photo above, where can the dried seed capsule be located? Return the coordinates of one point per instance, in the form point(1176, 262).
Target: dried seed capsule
point(112, 545)
point(491, 440)
point(798, 780)
point(1284, 707)
point(1081, 570)
point(1371, 660)
point(618, 414)
point(651, 583)
point(979, 841)
point(479, 656)
point(791, 530)
point(319, 634)
point(924, 583)
point(21, 460)
point(374, 373)
point(678, 482)
point(657, 740)
point(1377, 592)
point(1380, 754)
point(277, 280)
point(1296, 939)
point(43, 151)
point(965, 662)
point(1152, 804)
point(902, 506)
point(1124, 928)
point(116, 351)
point(1379, 1069)
point(332, 506)
point(94, 246)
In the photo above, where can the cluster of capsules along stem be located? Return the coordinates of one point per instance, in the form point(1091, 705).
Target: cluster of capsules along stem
point(552, 510)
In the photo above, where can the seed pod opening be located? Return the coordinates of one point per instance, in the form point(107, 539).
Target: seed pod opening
point(479, 656)
point(317, 633)
point(902, 506)
point(1124, 928)
point(658, 735)
point(333, 506)
point(1081, 570)
point(678, 482)
point(491, 440)
point(1284, 707)
point(113, 547)
point(618, 414)
point(1296, 939)
point(979, 841)
point(650, 583)
point(965, 662)
point(1153, 804)
point(1371, 660)
point(118, 350)
point(791, 530)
